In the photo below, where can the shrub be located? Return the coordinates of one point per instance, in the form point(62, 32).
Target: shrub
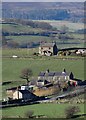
point(29, 114)
point(70, 111)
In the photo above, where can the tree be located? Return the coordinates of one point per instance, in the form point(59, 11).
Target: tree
point(70, 111)
point(26, 74)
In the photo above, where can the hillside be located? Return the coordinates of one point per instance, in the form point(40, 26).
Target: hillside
point(19, 35)
point(44, 11)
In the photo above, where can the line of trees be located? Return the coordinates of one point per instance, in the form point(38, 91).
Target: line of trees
point(33, 24)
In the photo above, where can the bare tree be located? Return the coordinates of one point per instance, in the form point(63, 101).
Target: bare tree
point(26, 74)
point(71, 110)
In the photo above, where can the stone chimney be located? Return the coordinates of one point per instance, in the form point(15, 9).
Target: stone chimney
point(64, 71)
point(47, 71)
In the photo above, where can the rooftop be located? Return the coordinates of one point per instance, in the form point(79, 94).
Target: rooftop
point(47, 44)
point(24, 91)
point(54, 73)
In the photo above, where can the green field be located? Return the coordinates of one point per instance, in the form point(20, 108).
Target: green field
point(11, 68)
point(19, 52)
point(50, 110)
point(58, 24)
point(19, 28)
point(29, 38)
point(76, 42)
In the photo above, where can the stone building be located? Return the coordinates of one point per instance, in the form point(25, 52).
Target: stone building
point(55, 76)
point(48, 49)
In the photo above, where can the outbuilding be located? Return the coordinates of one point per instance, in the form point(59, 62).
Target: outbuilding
point(23, 94)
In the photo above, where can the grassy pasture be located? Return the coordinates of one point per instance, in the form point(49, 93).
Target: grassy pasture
point(77, 38)
point(19, 52)
point(76, 42)
point(29, 38)
point(58, 24)
point(19, 28)
point(11, 68)
point(50, 110)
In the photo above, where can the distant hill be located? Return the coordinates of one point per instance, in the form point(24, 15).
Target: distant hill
point(72, 11)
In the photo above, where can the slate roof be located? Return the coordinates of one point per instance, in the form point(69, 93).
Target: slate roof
point(47, 44)
point(41, 73)
point(51, 73)
point(25, 92)
point(54, 74)
point(61, 74)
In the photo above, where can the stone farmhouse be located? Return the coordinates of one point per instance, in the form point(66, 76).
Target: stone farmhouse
point(52, 76)
point(48, 49)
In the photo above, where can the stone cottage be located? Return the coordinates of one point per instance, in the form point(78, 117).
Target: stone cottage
point(55, 76)
point(48, 49)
